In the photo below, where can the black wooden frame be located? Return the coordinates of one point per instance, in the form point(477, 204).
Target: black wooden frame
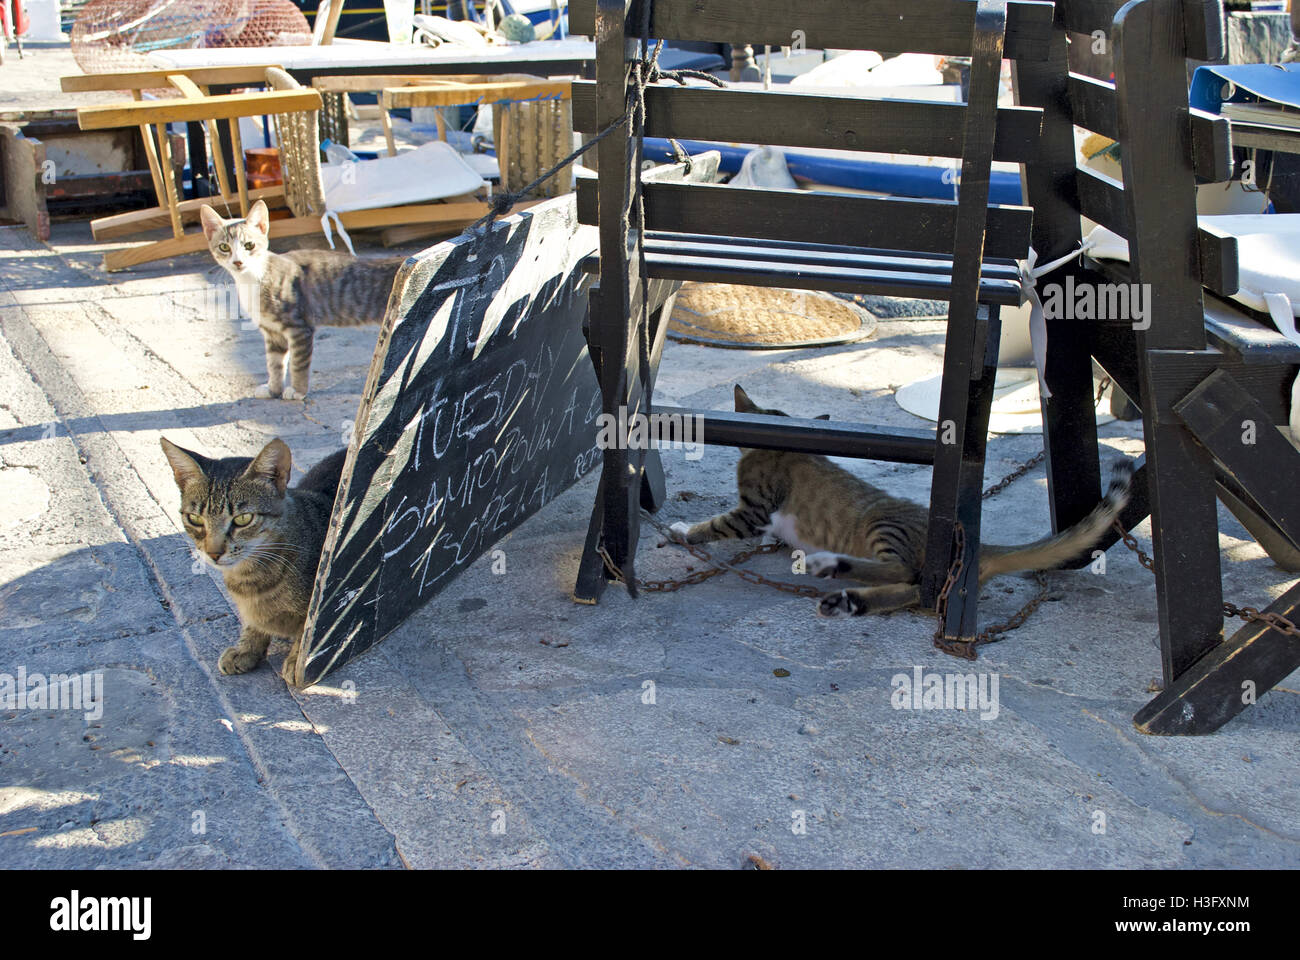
point(963, 251)
point(1190, 380)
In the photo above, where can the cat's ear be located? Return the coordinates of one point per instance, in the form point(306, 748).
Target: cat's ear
point(823, 416)
point(272, 464)
point(743, 403)
point(186, 465)
point(210, 219)
point(259, 218)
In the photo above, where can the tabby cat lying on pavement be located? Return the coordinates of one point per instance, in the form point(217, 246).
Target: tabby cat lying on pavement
point(264, 537)
point(851, 529)
point(289, 295)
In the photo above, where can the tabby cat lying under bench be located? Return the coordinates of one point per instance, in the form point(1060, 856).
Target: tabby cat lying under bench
point(289, 295)
point(862, 533)
point(264, 537)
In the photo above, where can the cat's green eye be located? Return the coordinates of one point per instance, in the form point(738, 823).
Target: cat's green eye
point(223, 247)
point(243, 520)
point(194, 519)
point(248, 246)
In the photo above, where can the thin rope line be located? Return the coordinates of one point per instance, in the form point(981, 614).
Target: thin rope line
point(645, 71)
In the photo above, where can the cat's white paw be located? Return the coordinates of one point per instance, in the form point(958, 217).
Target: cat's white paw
point(291, 394)
point(680, 529)
point(237, 660)
point(823, 564)
point(842, 604)
point(264, 392)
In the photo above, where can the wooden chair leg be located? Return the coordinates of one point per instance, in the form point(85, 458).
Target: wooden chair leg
point(592, 576)
point(219, 162)
point(237, 158)
point(1185, 537)
point(969, 350)
point(151, 154)
point(171, 188)
point(387, 122)
point(1070, 427)
point(1227, 679)
point(957, 488)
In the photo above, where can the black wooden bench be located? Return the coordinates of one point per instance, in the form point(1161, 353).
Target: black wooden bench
point(1202, 369)
point(962, 251)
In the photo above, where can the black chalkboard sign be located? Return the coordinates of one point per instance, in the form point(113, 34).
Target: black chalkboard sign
point(479, 408)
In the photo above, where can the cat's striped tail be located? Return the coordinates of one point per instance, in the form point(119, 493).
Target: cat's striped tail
point(1051, 552)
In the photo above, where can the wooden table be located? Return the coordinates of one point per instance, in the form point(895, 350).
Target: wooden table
point(360, 57)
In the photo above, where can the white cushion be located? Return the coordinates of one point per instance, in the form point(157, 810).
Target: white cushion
point(433, 171)
point(1268, 247)
point(1268, 271)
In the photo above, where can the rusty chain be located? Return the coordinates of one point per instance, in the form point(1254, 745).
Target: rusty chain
point(1250, 614)
point(1130, 541)
point(1015, 475)
point(964, 647)
point(716, 567)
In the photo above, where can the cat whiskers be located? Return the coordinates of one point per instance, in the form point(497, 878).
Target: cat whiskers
point(270, 555)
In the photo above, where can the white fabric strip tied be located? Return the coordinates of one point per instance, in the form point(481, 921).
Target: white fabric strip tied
point(329, 234)
point(1029, 274)
point(1283, 314)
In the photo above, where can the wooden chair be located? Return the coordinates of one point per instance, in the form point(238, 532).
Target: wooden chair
point(304, 189)
point(294, 109)
point(1197, 383)
point(963, 251)
point(326, 22)
point(192, 106)
point(192, 84)
point(533, 121)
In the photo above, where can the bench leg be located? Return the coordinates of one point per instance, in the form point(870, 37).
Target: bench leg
point(1185, 537)
point(1070, 428)
point(1228, 679)
point(957, 487)
point(592, 576)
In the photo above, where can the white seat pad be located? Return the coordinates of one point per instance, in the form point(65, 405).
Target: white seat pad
point(433, 171)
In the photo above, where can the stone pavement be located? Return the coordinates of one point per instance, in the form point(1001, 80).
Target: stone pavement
point(502, 704)
point(505, 726)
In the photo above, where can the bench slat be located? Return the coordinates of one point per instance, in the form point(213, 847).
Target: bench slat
point(865, 441)
point(886, 283)
point(817, 217)
point(919, 26)
point(790, 119)
point(822, 254)
point(1255, 341)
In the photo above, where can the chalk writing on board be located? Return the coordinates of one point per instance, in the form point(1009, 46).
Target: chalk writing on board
point(480, 408)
